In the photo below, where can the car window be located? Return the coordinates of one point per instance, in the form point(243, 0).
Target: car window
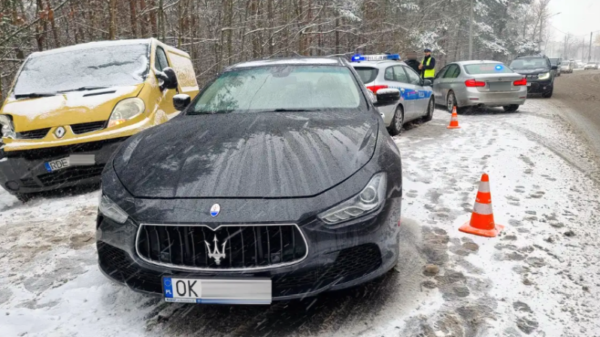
point(452, 72)
point(279, 89)
point(529, 63)
point(389, 74)
point(367, 75)
point(400, 75)
point(441, 73)
point(160, 62)
point(413, 76)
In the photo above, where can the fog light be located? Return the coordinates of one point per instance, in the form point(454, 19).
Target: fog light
point(12, 185)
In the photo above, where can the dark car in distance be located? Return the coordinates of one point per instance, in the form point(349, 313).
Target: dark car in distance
point(539, 73)
point(278, 181)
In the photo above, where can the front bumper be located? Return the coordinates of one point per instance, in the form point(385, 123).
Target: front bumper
point(540, 87)
point(336, 259)
point(25, 172)
point(474, 97)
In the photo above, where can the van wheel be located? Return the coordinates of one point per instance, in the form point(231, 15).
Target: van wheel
point(22, 197)
point(397, 121)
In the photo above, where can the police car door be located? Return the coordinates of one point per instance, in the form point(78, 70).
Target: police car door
point(420, 95)
point(402, 82)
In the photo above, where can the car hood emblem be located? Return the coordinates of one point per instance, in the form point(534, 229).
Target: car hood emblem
point(59, 132)
point(216, 254)
point(214, 210)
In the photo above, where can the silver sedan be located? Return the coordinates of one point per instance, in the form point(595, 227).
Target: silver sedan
point(468, 84)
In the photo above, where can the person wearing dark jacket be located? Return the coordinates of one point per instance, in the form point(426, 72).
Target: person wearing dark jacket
point(411, 61)
point(427, 67)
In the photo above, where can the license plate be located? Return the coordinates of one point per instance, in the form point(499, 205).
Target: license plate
point(72, 160)
point(217, 291)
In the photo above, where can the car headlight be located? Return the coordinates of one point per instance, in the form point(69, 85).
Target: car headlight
point(544, 76)
point(111, 210)
point(7, 128)
point(126, 110)
point(367, 201)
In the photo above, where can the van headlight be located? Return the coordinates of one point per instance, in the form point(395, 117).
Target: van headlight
point(7, 127)
point(367, 201)
point(544, 76)
point(126, 110)
point(111, 210)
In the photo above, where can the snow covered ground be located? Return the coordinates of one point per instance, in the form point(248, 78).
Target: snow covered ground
point(538, 278)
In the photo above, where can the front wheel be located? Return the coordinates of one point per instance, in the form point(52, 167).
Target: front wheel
point(22, 197)
point(548, 94)
point(430, 109)
point(397, 122)
point(511, 108)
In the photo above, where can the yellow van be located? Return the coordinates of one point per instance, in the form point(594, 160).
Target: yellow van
point(70, 108)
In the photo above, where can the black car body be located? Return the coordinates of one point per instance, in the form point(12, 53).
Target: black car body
point(279, 177)
point(539, 71)
point(556, 62)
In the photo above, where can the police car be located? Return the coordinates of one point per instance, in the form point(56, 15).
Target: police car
point(388, 72)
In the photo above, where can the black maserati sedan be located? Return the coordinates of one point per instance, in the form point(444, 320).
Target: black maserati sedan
point(277, 181)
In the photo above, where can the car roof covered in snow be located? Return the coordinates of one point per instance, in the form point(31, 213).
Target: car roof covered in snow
point(290, 61)
point(88, 45)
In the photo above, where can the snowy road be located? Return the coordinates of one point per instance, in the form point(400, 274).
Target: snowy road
point(539, 278)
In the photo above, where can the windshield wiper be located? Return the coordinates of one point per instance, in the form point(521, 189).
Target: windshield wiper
point(35, 95)
point(295, 110)
point(83, 89)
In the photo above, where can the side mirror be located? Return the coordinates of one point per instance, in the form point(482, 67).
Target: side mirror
point(426, 82)
point(387, 97)
point(181, 101)
point(167, 78)
point(372, 96)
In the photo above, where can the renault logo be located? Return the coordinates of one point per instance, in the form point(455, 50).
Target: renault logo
point(216, 254)
point(59, 132)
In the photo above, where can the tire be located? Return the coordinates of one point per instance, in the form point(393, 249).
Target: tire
point(511, 108)
point(451, 102)
point(548, 94)
point(397, 122)
point(22, 197)
point(430, 110)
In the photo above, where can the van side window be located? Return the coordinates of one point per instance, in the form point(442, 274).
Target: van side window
point(160, 61)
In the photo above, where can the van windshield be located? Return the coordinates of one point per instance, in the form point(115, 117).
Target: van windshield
point(94, 67)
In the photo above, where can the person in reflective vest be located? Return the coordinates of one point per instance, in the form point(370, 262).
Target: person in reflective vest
point(427, 67)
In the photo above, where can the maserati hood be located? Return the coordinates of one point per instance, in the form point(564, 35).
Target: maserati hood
point(247, 155)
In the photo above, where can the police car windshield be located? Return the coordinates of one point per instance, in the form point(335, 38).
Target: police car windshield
point(487, 68)
point(529, 63)
point(284, 88)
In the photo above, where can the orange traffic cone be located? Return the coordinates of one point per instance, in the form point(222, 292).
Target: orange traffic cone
point(482, 219)
point(454, 120)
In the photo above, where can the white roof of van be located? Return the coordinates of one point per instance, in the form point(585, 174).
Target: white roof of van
point(97, 44)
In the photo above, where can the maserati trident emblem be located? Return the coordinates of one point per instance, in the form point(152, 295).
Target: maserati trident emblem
point(216, 254)
point(214, 210)
point(59, 132)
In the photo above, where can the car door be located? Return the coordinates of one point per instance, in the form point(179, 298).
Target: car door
point(419, 96)
point(405, 87)
point(450, 81)
point(437, 84)
point(165, 100)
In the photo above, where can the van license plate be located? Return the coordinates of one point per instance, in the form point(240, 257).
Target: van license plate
point(217, 291)
point(56, 165)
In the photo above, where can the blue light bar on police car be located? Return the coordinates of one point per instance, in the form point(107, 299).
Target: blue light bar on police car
point(378, 57)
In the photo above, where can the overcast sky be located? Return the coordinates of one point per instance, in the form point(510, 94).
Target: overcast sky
point(577, 17)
